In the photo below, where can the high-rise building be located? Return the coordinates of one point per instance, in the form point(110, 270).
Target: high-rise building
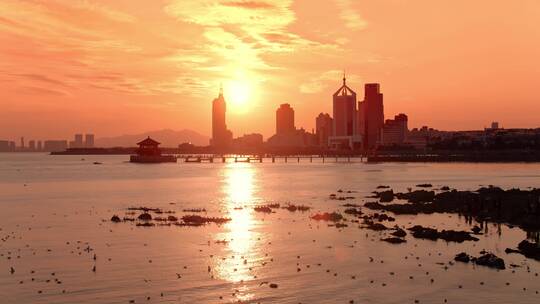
point(22, 143)
point(323, 128)
point(221, 136)
point(361, 118)
point(394, 131)
point(39, 146)
point(32, 145)
point(4, 146)
point(285, 119)
point(344, 127)
point(89, 140)
point(344, 106)
point(374, 115)
point(55, 145)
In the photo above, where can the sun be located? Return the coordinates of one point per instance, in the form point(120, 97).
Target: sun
point(239, 93)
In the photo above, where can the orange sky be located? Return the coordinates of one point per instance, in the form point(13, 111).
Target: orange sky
point(121, 66)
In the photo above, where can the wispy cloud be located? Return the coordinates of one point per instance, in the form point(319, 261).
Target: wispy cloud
point(350, 16)
point(319, 83)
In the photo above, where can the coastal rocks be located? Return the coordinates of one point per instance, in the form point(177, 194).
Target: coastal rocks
point(487, 259)
point(490, 260)
point(115, 218)
point(462, 257)
point(447, 235)
point(294, 208)
point(374, 226)
point(263, 209)
point(418, 196)
point(334, 217)
point(528, 249)
point(145, 217)
point(424, 185)
point(394, 240)
point(385, 196)
point(399, 233)
point(201, 220)
point(353, 211)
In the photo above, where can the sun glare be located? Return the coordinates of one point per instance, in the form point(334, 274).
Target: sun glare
point(239, 93)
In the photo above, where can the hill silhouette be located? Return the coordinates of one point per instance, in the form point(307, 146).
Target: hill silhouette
point(167, 138)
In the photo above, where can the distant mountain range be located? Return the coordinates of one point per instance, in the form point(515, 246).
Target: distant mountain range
point(167, 138)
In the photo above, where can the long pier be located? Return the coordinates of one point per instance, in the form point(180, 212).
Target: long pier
point(212, 158)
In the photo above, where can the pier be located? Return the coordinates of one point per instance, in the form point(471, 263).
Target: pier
point(213, 158)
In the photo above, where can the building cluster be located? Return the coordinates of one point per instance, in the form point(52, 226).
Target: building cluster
point(354, 125)
point(48, 145)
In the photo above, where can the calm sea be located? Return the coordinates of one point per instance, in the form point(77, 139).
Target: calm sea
point(55, 218)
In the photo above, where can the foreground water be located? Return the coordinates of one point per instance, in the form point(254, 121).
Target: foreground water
point(55, 213)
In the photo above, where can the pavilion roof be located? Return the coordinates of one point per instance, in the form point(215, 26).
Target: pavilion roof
point(148, 142)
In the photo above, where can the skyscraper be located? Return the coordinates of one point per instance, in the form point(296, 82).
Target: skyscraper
point(374, 115)
point(344, 128)
point(395, 130)
point(344, 106)
point(89, 140)
point(284, 119)
point(221, 136)
point(323, 128)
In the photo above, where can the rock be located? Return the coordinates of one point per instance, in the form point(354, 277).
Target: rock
point(353, 211)
point(172, 218)
point(445, 188)
point(418, 196)
point(145, 217)
point(462, 257)
point(424, 232)
point(386, 196)
point(424, 185)
point(334, 216)
point(476, 229)
point(399, 233)
point(375, 226)
point(394, 240)
point(383, 187)
point(263, 209)
point(510, 250)
point(116, 219)
point(196, 220)
point(273, 285)
point(490, 260)
point(447, 235)
point(530, 250)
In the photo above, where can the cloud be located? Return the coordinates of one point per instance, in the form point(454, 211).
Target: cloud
point(351, 17)
point(319, 83)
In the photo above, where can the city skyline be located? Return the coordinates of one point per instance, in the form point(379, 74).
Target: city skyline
point(93, 60)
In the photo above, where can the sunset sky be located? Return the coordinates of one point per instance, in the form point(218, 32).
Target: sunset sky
point(113, 67)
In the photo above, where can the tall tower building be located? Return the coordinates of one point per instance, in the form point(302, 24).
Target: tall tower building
point(284, 119)
point(323, 128)
point(89, 140)
point(374, 115)
point(221, 136)
point(344, 106)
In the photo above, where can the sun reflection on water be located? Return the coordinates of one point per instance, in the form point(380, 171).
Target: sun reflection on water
point(239, 190)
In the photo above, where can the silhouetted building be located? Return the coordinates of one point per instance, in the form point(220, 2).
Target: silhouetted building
point(89, 141)
point(344, 130)
point(22, 143)
point(77, 141)
point(323, 128)
point(285, 119)
point(4, 146)
point(249, 141)
point(32, 145)
point(394, 131)
point(296, 139)
point(221, 136)
point(361, 118)
point(149, 152)
point(55, 145)
point(12, 146)
point(39, 146)
point(374, 115)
